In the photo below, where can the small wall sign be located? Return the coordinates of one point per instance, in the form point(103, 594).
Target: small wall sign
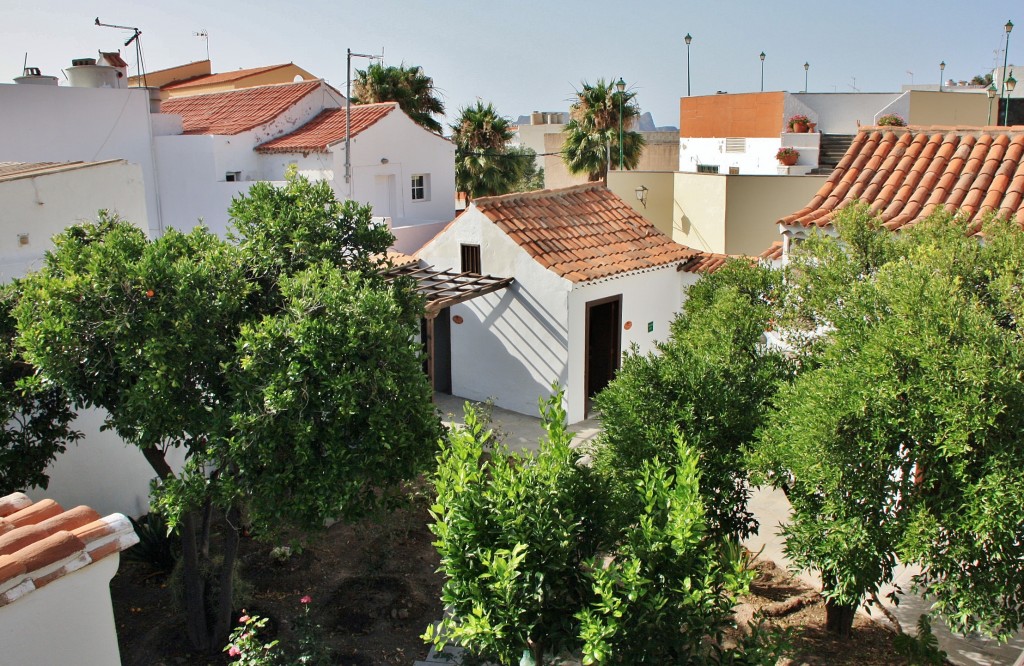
point(650, 327)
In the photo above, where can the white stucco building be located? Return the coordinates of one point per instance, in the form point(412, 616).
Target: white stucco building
point(230, 139)
point(196, 153)
point(39, 200)
point(591, 278)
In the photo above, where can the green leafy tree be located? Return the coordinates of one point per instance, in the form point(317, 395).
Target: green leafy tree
point(900, 438)
point(711, 382)
point(36, 414)
point(592, 134)
point(531, 571)
point(408, 86)
point(284, 365)
point(485, 164)
point(530, 176)
point(982, 79)
point(667, 595)
point(512, 539)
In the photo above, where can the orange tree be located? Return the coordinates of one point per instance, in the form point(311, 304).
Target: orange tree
point(900, 438)
point(284, 364)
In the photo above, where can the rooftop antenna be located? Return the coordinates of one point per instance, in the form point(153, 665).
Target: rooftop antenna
point(137, 38)
point(348, 108)
point(911, 77)
point(205, 35)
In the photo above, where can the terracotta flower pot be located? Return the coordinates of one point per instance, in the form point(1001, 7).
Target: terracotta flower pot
point(800, 128)
point(788, 160)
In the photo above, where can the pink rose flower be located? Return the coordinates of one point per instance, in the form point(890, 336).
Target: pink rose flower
point(244, 619)
point(306, 599)
point(234, 651)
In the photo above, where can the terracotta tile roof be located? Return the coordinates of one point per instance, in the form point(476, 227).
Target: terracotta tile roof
point(906, 173)
point(326, 129)
point(708, 262)
point(401, 260)
point(17, 170)
point(582, 233)
point(113, 58)
point(41, 542)
point(774, 253)
point(237, 111)
point(226, 77)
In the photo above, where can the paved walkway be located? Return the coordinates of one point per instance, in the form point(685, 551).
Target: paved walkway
point(771, 509)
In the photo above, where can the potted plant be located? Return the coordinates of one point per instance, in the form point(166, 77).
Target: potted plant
point(787, 156)
point(799, 123)
point(891, 120)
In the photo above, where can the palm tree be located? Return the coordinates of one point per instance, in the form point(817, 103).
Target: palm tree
point(484, 163)
point(592, 135)
point(409, 86)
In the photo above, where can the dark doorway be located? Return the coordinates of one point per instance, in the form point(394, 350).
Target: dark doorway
point(436, 334)
point(603, 352)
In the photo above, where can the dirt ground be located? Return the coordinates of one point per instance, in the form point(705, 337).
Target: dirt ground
point(374, 590)
point(775, 591)
point(373, 586)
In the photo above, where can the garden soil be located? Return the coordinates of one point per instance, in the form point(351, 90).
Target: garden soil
point(374, 590)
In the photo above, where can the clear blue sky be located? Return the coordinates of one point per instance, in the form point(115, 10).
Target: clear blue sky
point(529, 56)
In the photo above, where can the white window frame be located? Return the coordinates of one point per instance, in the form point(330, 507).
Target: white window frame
point(419, 183)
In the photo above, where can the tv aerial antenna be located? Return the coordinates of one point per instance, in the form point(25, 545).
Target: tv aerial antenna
point(137, 39)
point(204, 34)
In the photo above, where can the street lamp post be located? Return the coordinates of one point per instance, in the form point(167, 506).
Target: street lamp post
point(807, 66)
point(1006, 52)
point(621, 87)
point(942, 69)
point(1011, 83)
point(688, 39)
point(991, 92)
point(762, 71)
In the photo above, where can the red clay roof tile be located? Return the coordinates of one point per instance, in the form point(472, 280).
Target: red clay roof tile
point(583, 232)
point(226, 77)
point(237, 111)
point(326, 129)
point(48, 542)
point(906, 173)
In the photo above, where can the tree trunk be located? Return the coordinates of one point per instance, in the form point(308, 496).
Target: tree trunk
point(839, 618)
point(196, 625)
point(222, 620)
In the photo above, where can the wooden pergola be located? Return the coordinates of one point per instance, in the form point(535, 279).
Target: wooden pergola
point(443, 289)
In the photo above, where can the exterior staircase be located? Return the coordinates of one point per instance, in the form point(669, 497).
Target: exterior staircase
point(833, 147)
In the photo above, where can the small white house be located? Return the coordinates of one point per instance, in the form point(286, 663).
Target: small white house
point(230, 139)
point(55, 571)
point(591, 278)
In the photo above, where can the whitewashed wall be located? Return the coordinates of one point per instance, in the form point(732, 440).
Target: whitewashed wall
point(70, 621)
point(758, 158)
point(44, 205)
point(61, 123)
point(191, 189)
point(513, 343)
point(409, 149)
point(649, 296)
point(839, 113)
point(102, 471)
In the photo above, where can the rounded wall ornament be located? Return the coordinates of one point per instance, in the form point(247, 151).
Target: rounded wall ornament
point(458, 319)
point(628, 325)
